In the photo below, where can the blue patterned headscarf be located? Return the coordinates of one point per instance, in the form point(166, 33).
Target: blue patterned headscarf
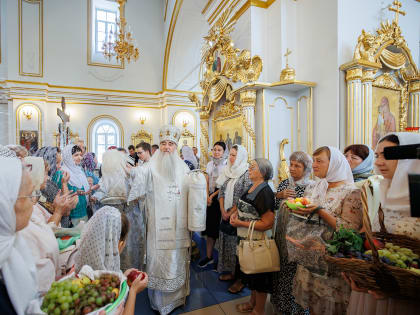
point(367, 165)
point(49, 154)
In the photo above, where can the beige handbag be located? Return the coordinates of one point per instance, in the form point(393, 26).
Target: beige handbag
point(258, 256)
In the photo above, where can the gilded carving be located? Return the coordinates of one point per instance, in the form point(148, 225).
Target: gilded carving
point(414, 86)
point(368, 75)
point(387, 81)
point(227, 110)
point(354, 74)
point(247, 127)
point(283, 169)
point(248, 98)
point(141, 136)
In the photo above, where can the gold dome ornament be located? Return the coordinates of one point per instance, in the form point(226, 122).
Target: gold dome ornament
point(287, 74)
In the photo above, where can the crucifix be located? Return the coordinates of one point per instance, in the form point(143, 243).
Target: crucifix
point(288, 52)
point(396, 10)
point(62, 128)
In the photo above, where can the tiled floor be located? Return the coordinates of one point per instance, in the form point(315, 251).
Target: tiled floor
point(208, 296)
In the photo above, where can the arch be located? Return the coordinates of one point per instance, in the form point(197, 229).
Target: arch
point(96, 123)
point(40, 117)
point(185, 132)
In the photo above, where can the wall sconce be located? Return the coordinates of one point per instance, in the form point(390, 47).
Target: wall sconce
point(27, 112)
point(142, 119)
point(185, 123)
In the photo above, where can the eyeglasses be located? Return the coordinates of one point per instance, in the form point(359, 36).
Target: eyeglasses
point(34, 197)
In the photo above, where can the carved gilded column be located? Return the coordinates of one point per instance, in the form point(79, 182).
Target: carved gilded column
point(414, 104)
point(354, 105)
point(204, 140)
point(366, 109)
point(248, 99)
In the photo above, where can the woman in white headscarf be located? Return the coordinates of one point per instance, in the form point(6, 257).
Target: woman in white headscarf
point(336, 202)
point(72, 159)
point(18, 284)
point(395, 209)
point(189, 157)
point(233, 182)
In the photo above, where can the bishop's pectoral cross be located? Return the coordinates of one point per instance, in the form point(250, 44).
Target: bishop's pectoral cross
point(288, 52)
point(62, 128)
point(396, 10)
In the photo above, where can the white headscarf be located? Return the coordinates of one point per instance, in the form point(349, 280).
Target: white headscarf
point(37, 171)
point(16, 262)
point(338, 170)
point(77, 176)
point(239, 167)
point(188, 155)
point(99, 242)
point(6, 152)
point(394, 194)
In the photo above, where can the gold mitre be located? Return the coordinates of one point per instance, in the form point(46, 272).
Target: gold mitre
point(169, 133)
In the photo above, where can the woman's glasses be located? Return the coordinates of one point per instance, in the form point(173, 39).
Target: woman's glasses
point(34, 197)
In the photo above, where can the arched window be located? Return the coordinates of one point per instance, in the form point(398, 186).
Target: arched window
point(105, 133)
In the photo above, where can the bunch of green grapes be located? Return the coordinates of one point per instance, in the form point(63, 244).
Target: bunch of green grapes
point(60, 298)
point(69, 298)
point(398, 256)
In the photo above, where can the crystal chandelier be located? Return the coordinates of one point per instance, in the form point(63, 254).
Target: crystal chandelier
point(120, 43)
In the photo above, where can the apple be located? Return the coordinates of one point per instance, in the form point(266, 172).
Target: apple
point(378, 244)
point(305, 201)
point(133, 276)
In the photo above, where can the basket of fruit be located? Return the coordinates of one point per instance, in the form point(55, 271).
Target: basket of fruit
point(97, 292)
point(296, 203)
point(382, 261)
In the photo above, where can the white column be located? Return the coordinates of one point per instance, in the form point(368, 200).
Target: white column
point(248, 99)
point(354, 106)
point(366, 114)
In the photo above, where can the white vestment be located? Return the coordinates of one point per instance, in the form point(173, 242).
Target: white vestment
point(168, 238)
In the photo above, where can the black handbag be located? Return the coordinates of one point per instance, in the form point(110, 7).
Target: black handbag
point(226, 228)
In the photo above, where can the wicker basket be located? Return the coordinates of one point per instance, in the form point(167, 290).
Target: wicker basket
point(376, 275)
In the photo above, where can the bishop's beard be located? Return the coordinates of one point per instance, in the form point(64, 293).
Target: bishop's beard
point(168, 165)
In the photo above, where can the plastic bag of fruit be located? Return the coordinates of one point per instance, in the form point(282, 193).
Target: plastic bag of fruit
point(89, 292)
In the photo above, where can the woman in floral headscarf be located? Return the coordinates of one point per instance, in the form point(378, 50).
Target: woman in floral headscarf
point(89, 164)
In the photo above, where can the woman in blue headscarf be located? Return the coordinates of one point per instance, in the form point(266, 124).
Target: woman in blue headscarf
point(360, 158)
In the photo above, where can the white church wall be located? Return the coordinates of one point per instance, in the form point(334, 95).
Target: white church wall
point(65, 47)
point(317, 61)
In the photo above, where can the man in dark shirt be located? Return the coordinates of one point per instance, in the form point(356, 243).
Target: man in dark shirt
point(133, 154)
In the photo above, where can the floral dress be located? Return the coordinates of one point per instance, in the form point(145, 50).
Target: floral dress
point(282, 298)
point(227, 235)
point(326, 293)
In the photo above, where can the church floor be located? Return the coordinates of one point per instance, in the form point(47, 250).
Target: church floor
point(208, 296)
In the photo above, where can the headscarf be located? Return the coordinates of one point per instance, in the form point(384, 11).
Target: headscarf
point(16, 261)
point(77, 176)
point(6, 152)
point(49, 154)
point(395, 193)
point(88, 162)
point(367, 165)
point(99, 242)
point(306, 160)
point(188, 155)
point(338, 170)
point(239, 167)
point(37, 170)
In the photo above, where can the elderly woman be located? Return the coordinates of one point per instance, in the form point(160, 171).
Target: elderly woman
point(395, 207)
point(18, 282)
point(300, 171)
point(337, 203)
point(256, 204)
point(360, 158)
point(234, 182)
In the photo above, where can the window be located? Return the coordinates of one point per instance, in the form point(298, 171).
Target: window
point(105, 23)
point(105, 133)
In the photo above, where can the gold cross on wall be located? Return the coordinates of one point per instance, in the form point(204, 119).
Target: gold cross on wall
point(288, 52)
point(396, 10)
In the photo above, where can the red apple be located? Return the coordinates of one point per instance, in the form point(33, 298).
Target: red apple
point(133, 276)
point(378, 244)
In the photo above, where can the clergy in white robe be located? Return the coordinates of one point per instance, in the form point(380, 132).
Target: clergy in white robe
point(163, 182)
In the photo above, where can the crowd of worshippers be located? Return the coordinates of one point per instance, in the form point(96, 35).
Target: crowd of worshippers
point(68, 189)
